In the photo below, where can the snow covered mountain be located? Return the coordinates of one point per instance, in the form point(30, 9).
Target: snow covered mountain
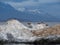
point(8, 12)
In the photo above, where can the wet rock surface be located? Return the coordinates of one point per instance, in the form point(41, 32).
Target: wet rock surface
point(36, 42)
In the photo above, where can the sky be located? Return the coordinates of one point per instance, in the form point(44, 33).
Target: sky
point(23, 3)
point(41, 1)
point(52, 9)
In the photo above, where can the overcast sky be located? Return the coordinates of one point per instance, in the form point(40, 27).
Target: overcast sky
point(42, 1)
point(19, 3)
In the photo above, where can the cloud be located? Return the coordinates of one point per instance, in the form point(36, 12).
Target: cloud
point(36, 0)
point(41, 1)
point(23, 4)
point(48, 1)
point(17, 0)
point(13, 0)
point(27, 3)
point(21, 9)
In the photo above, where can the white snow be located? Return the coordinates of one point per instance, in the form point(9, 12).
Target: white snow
point(41, 26)
point(37, 26)
point(18, 31)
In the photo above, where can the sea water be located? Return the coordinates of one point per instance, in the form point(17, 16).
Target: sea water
point(49, 23)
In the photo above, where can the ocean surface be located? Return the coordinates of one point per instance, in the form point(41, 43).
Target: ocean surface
point(49, 23)
point(29, 44)
point(52, 23)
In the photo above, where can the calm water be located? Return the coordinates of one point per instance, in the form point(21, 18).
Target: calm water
point(31, 44)
point(49, 23)
point(52, 23)
point(17, 44)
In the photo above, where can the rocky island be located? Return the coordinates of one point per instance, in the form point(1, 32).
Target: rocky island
point(13, 31)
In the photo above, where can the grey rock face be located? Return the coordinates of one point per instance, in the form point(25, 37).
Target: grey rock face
point(10, 37)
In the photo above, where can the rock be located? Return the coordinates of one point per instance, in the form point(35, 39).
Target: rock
point(14, 30)
point(54, 30)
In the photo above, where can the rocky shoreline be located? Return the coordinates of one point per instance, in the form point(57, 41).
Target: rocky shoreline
point(36, 42)
point(15, 32)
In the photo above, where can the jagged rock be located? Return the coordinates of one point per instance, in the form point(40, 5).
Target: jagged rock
point(54, 30)
point(14, 31)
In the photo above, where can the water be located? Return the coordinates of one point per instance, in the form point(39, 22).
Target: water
point(49, 23)
point(31, 44)
point(52, 23)
point(17, 44)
